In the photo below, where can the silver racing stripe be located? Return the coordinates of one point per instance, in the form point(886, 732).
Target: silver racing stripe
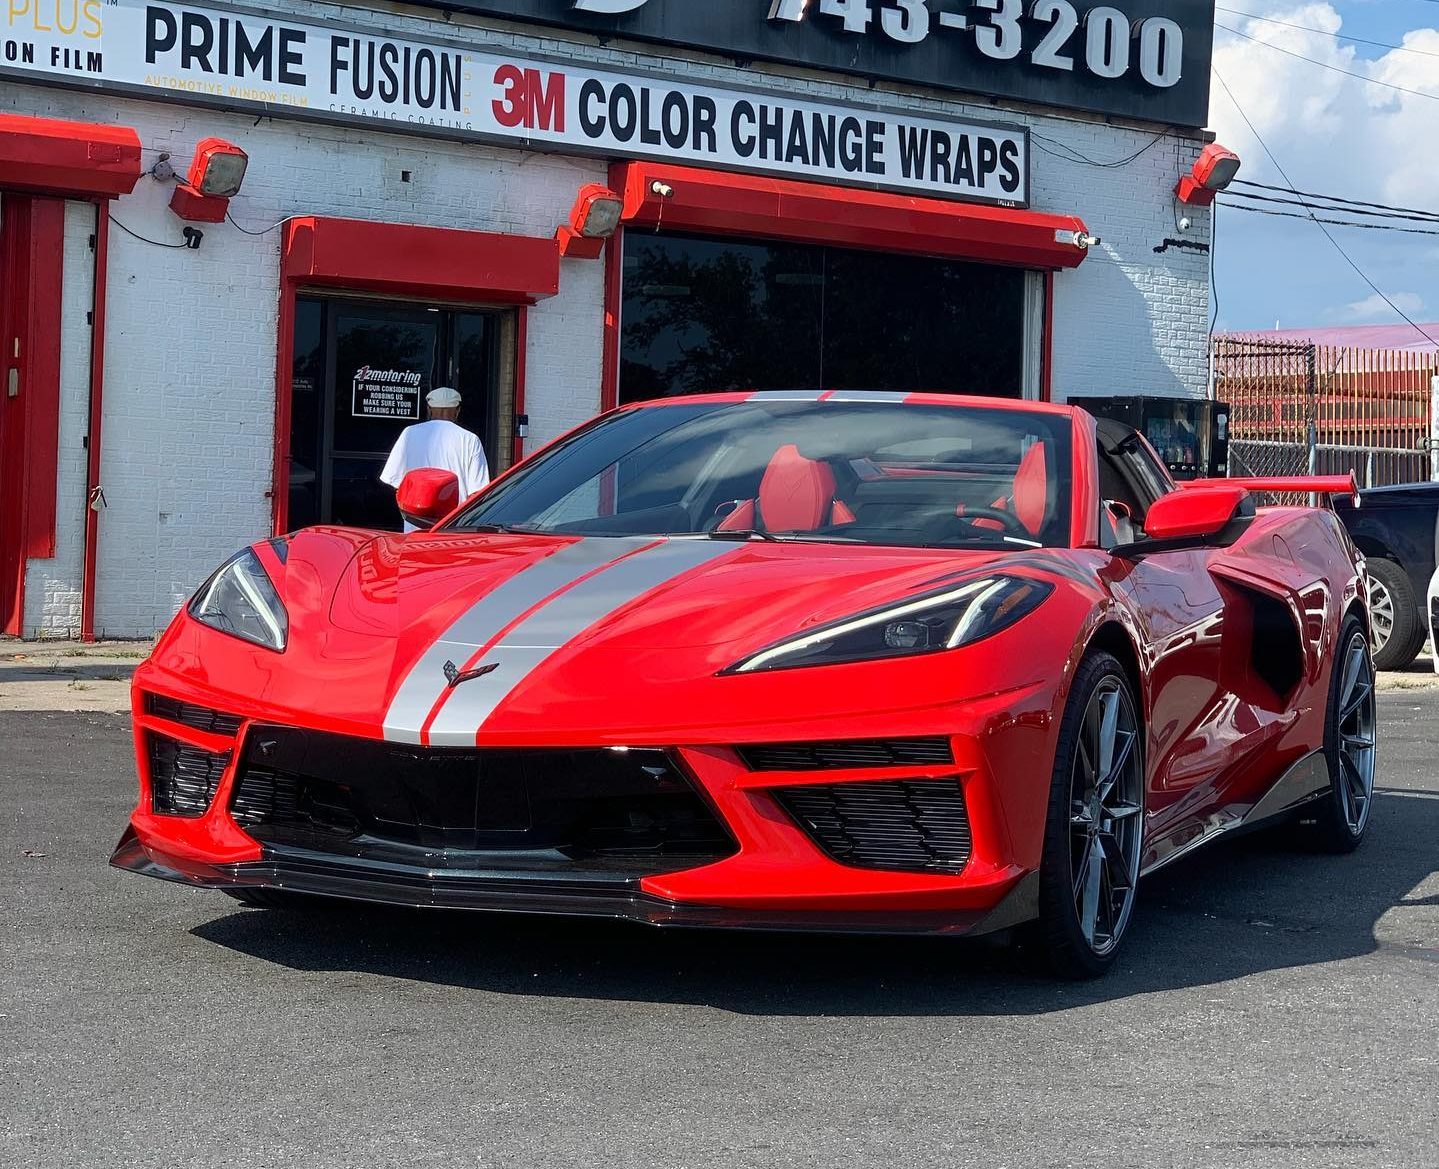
point(426, 683)
point(529, 644)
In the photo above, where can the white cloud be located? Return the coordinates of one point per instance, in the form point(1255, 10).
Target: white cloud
point(1375, 308)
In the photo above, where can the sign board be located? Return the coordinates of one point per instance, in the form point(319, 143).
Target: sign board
point(1145, 59)
point(242, 60)
point(386, 393)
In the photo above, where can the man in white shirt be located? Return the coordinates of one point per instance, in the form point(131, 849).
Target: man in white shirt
point(439, 443)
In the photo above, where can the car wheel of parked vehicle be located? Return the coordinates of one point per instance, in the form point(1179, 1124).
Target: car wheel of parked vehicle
point(1095, 827)
point(1393, 615)
point(1349, 744)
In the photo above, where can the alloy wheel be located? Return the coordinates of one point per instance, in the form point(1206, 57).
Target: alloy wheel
point(1357, 720)
point(1106, 816)
point(1381, 614)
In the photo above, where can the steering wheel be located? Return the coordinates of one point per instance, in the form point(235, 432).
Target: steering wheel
point(1010, 522)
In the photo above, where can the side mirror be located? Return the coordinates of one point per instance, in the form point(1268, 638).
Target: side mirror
point(427, 496)
point(1197, 513)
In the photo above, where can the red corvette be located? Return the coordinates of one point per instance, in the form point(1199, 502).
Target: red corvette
point(839, 661)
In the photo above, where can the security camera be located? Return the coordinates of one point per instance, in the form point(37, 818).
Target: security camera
point(1185, 223)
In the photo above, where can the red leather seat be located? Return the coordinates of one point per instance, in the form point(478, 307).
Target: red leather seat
point(796, 494)
point(1029, 499)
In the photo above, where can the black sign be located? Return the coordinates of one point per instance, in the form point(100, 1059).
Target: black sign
point(1144, 59)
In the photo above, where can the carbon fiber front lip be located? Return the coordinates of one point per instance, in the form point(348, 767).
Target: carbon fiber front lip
point(497, 892)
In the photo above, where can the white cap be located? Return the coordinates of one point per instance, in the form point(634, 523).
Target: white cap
point(443, 398)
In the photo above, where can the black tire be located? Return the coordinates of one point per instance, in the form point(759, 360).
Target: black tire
point(1392, 600)
point(261, 898)
point(1058, 936)
point(1334, 825)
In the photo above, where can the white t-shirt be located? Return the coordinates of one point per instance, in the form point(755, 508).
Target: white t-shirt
point(443, 445)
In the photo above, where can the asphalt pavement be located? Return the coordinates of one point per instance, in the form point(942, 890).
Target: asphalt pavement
point(1273, 1008)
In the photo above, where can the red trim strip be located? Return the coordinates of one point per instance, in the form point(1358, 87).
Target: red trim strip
point(51, 157)
point(284, 396)
point(716, 201)
point(97, 417)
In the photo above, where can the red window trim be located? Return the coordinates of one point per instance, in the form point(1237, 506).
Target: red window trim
point(753, 205)
point(47, 156)
point(400, 260)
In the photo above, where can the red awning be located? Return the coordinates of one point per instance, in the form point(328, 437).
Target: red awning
point(738, 204)
point(403, 260)
point(45, 156)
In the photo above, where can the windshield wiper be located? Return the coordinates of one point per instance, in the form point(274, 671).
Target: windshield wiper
point(744, 534)
point(504, 530)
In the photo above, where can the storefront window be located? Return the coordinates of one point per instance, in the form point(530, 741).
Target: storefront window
point(716, 314)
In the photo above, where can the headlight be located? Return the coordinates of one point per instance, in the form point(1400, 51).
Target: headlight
point(934, 622)
point(241, 600)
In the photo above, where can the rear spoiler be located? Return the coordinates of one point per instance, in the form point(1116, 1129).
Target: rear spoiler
point(1301, 484)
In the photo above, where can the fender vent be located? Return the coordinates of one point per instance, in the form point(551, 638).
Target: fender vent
point(187, 714)
point(909, 827)
point(183, 779)
point(840, 754)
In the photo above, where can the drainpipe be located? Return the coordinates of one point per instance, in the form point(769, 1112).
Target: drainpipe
point(94, 493)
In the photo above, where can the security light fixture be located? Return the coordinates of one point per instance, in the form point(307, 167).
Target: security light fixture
point(216, 174)
point(594, 218)
point(1213, 171)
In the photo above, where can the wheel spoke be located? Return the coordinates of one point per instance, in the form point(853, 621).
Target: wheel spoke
point(1353, 665)
point(1108, 732)
point(1122, 811)
point(1355, 702)
point(1121, 761)
point(1093, 874)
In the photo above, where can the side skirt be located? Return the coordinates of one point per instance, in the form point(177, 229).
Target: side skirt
point(1304, 782)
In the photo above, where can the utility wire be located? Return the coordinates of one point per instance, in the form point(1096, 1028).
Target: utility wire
point(1399, 211)
point(1329, 235)
point(1309, 215)
point(235, 223)
point(1320, 203)
point(1074, 155)
point(1326, 33)
point(1326, 65)
point(154, 243)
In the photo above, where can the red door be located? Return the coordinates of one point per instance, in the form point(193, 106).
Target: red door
point(32, 240)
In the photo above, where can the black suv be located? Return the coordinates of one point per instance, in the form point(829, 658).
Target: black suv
point(1396, 528)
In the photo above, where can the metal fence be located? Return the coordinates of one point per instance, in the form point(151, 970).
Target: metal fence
point(1301, 408)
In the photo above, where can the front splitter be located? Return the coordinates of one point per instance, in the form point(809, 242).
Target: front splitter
point(323, 875)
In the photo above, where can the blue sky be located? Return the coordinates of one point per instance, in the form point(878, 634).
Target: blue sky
point(1335, 135)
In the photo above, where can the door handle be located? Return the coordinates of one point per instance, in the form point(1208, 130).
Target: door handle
point(12, 383)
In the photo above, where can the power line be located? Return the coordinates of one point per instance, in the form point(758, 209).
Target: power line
point(1073, 155)
point(1326, 65)
point(1329, 235)
point(1309, 215)
point(1322, 201)
point(1324, 32)
point(1400, 212)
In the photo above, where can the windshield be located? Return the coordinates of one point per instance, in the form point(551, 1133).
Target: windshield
point(878, 473)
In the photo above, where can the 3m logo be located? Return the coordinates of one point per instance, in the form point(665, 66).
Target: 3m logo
point(531, 99)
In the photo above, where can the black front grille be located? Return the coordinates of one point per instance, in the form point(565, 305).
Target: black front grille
point(845, 753)
point(183, 779)
point(442, 807)
point(919, 826)
point(200, 718)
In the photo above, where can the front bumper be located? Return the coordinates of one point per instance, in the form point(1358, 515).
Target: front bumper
point(562, 894)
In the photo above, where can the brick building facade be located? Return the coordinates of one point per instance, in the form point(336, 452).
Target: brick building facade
point(197, 375)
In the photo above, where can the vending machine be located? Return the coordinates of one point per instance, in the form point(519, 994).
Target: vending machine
point(1191, 435)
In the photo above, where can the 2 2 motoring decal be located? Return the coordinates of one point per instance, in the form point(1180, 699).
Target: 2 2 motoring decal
point(234, 58)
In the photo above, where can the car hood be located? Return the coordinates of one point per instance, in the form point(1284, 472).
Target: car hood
point(589, 638)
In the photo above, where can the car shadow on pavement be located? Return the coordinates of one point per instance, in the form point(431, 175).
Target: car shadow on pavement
point(1240, 908)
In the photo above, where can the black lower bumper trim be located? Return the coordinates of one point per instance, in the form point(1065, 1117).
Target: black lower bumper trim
point(498, 892)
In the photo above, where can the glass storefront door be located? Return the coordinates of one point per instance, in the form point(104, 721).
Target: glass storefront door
point(704, 313)
point(361, 372)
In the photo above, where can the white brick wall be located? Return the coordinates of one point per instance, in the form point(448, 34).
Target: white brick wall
point(52, 587)
point(190, 353)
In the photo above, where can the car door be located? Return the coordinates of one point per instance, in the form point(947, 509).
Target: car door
point(1179, 610)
